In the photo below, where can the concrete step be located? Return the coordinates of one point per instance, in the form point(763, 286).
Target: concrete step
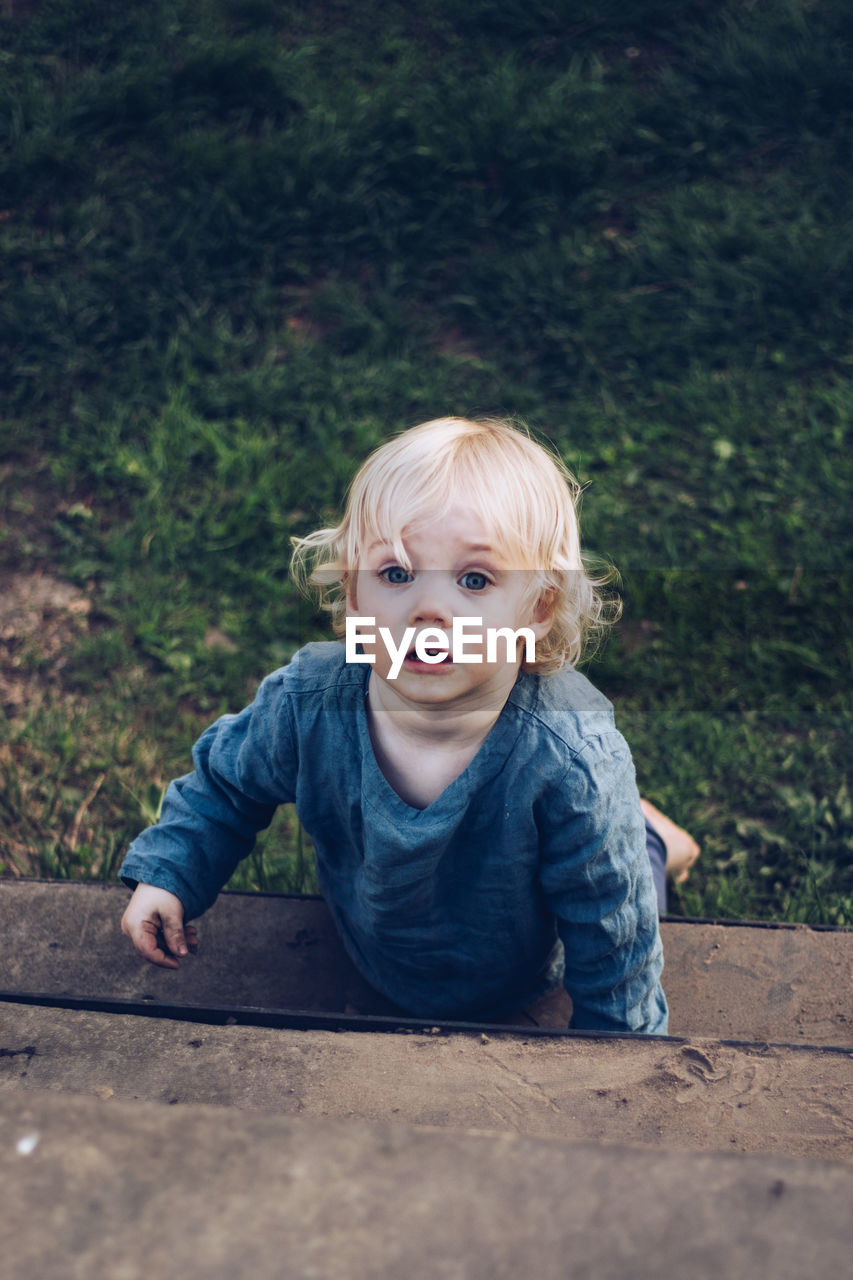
point(270, 951)
point(242, 1149)
point(135, 1191)
point(663, 1093)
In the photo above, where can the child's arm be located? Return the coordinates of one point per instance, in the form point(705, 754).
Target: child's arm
point(597, 880)
point(245, 765)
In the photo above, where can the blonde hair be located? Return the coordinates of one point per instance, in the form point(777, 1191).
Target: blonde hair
point(522, 492)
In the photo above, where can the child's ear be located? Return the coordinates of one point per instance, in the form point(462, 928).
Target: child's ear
point(543, 613)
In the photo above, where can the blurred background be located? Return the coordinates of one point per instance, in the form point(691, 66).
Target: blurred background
point(244, 241)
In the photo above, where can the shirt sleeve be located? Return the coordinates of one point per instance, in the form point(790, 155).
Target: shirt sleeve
point(597, 881)
point(245, 766)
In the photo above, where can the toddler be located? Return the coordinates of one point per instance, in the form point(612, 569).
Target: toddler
point(473, 808)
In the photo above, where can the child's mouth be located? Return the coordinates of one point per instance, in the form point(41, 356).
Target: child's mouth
point(433, 657)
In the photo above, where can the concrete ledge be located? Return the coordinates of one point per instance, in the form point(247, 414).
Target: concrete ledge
point(137, 1191)
point(272, 951)
point(694, 1095)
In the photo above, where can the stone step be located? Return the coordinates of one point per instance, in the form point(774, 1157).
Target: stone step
point(658, 1092)
point(135, 1191)
point(271, 951)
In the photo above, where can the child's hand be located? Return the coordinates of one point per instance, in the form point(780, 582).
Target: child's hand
point(154, 922)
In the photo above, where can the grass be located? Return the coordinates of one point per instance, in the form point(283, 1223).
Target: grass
point(247, 239)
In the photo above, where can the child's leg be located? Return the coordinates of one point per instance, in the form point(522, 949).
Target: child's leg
point(672, 850)
point(656, 849)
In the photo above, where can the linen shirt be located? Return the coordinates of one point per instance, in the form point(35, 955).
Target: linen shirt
point(454, 909)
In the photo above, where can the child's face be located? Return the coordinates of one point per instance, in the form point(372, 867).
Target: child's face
point(456, 572)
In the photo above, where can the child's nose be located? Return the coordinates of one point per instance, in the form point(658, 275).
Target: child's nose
point(432, 605)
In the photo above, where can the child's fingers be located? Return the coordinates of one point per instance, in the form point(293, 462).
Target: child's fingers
point(173, 934)
point(146, 938)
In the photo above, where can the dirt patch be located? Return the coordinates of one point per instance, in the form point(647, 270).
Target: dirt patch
point(47, 789)
point(41, 618)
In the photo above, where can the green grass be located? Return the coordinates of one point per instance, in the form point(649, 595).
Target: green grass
point(245, 240)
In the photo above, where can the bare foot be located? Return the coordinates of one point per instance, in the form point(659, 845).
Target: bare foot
point(681, 849)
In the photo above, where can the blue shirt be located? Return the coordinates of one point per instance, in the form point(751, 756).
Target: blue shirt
point(451, 910)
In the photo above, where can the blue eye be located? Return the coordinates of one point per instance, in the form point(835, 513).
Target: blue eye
point(474, 581)
point(395, 574)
